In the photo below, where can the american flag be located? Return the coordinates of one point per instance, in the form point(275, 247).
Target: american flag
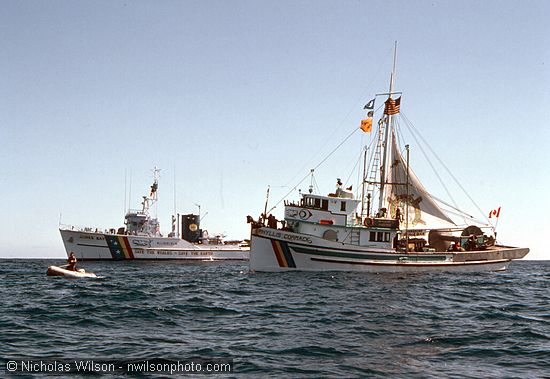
point(392, 106)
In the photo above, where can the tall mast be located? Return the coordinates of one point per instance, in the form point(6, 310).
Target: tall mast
point(384, 166)
point(407, 202)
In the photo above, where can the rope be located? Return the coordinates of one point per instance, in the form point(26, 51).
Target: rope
point(410, 126)
point(447, 169)
point(353, 108)
point(315, 168)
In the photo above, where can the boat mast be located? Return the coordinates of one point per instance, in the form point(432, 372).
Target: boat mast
point(151, 200)
point(383, 167)
point(407, 203)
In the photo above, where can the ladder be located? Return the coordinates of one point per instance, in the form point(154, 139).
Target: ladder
point(354, 237)
point(377, 157)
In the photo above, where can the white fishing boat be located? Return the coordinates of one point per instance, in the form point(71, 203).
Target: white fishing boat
point(393, 224)
point(141, 238)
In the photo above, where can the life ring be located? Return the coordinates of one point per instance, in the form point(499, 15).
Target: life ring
point(367, 221)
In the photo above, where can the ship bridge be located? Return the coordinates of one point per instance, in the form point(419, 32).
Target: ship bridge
point(335, 209)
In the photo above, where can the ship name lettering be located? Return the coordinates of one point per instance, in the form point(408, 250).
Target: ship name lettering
point(290, 237)
point(269, 233)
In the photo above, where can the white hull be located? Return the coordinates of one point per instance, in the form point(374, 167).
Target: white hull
point(274, 250)
point(88, 245)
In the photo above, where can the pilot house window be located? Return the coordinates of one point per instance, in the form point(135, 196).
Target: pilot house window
point(343, 206)
point(372, 236)
point(311, 202)
point(379, 236)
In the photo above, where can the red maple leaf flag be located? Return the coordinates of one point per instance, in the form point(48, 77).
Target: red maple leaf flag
point(494, 213)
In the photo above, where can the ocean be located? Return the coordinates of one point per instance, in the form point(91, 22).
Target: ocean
point(297, 324)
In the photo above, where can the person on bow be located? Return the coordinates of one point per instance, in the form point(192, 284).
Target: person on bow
point(71, 262)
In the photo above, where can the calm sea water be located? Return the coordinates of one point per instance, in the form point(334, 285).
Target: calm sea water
point(284, 325)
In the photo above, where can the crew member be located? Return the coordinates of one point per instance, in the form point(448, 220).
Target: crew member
point(71, 262)
point(398, 215)
point(472, 243)
point(272, 221)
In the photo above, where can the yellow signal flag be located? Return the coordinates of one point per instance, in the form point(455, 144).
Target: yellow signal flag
point(366, 125)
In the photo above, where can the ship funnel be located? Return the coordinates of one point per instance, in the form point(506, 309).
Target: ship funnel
point(190, 230)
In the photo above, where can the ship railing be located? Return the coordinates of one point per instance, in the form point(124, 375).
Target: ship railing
point(87, 229)
point(136, 211)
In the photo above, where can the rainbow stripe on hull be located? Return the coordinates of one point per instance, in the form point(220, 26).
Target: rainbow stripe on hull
point(283, 254)
point(119, 247)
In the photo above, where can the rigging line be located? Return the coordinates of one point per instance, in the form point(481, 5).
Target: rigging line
point(462, 213)
point(413, 131)
point(315, 185)
point(336, 148)
point(357, 160)
point(357, 183)
point(315, 168)
point(449, 172)
point(362, 151)
point(289, 192)
point(353, 169)
point(361, 99)
point(472, 218)
point(400, 136)
point(336, 130)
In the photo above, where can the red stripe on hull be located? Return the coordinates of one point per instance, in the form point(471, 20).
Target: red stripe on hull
point(278, 253)
point(128, 248)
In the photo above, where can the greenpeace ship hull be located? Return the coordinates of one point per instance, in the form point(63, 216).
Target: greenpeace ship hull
point(141, 239)
point(92, 245)
point(274, 250)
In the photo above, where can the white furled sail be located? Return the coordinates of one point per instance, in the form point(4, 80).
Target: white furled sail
point(423, 212)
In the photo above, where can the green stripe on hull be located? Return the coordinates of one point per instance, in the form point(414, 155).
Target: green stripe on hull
point(287, 254)
point(378, 257)
point(115, 248)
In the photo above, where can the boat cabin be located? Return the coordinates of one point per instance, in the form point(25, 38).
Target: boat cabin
point(139, 223)
point(326, 210)
point(334, 218)
point(135, 221)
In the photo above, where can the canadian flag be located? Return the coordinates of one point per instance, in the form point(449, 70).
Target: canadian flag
point(494, 213)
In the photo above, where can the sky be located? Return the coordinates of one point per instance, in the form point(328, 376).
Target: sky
point(230, 97)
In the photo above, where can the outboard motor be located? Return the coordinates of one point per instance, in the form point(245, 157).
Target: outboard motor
point(190, 230)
